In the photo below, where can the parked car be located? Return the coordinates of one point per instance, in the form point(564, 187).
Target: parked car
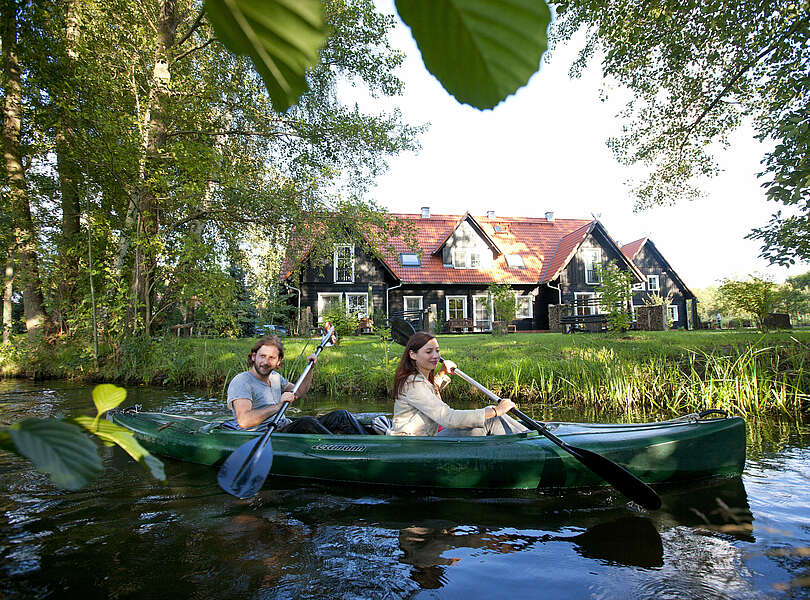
point(278, 330)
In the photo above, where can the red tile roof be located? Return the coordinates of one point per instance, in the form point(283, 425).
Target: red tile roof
point(536, 240)
point(630, 250)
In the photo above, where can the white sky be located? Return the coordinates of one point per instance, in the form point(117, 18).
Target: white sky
point(544, 149)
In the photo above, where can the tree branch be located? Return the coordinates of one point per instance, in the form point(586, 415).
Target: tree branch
point(193, 28)
point(182, 55)
point(735, 78)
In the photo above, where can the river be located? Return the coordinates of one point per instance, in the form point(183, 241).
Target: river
point(128, 536)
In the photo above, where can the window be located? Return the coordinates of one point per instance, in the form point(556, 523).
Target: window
point(583, 304)
point(456, 307)
point(357, 304)
point(482, 315)
point(470, 259)
point(638, 287)
point(343, 267)
point(515, 260)
point(327, 300)
point(593, 257)
point(409, 260)
point(523, 307)
point(652, 283)
point(672, 313)
point(412, 302)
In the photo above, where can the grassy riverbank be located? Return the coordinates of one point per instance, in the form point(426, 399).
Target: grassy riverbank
point(670, 372)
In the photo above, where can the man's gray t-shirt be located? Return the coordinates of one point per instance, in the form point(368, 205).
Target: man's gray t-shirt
point(246, 385)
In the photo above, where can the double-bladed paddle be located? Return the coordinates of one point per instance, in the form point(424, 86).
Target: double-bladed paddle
point(244, 471)
point(614, 474)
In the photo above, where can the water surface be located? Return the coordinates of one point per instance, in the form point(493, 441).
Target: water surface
point(128, 536)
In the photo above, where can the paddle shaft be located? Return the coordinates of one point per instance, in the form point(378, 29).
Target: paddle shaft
point(529, 422)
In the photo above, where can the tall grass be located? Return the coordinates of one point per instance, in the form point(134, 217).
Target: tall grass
point(657, 372)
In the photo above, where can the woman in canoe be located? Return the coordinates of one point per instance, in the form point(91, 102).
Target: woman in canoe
point(418, 406)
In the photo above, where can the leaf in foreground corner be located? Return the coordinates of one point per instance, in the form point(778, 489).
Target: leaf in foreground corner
point(281, 37)
point(481, 51)
point(59, 449)
point(115, 434)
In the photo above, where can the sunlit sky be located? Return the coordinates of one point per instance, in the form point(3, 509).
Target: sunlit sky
point(544, 149)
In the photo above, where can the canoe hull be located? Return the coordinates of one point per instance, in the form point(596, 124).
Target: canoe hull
point(663, 452)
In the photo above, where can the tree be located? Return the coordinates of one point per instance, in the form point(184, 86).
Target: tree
point(614, 292)
point(697, 70)
point(755, 297)
point(501, 300)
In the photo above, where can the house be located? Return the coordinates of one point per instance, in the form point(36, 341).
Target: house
point(545, 261)
point(661, 279)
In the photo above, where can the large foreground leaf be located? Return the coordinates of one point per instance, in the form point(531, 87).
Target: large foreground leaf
point(480, 50)
point(281, 37)
point(59, 449)
point(115, 434)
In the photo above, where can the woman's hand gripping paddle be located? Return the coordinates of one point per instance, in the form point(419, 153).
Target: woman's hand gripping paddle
point(243, 472)
point(614, 474)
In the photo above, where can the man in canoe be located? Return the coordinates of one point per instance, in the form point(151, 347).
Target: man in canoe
point(418, 405)
point(256, 395)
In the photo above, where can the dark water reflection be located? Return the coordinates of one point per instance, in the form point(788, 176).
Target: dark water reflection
point(127, 536)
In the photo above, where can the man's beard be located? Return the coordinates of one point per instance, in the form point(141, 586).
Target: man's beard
point(263, 370)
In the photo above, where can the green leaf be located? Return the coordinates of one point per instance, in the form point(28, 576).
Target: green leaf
point(59, 449)
point(481, 51)
point(107, 396)
point(281, 37)
point(115, 434)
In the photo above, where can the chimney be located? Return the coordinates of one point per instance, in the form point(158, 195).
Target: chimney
point(425, 212)
point(550, 216)
point(490, 214)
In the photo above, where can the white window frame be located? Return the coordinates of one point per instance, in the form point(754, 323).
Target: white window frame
point(592, 309)
point(650, 286)
point(592, 257)
point(638, 287)
point(321, 296)
point(339, 247)
point(515, 261)
point(462, 258)
point(405, 302)
point(482, 298)
point(530, 304)
point(672, 313)
point(416, 262)
point(357, 295)
point(447, 306)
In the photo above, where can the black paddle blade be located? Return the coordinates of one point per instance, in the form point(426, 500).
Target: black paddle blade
point(617, 476)
point(401, 331)
point(245, 470)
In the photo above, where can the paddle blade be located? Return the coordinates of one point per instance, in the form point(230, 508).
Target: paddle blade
point(244, 472)
point(401, 331)
point(619, 477)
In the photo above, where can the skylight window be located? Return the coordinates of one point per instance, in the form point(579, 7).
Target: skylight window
point(409, 260)
point(515, 260)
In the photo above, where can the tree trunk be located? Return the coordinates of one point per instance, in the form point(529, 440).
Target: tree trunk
point(147, 223)
point(36, 319)
point(8, 290)
point(70, 244)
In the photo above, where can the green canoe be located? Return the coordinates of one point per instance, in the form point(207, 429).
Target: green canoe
point(682, 449)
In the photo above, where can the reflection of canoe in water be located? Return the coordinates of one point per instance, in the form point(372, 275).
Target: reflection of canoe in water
point(679, 450)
